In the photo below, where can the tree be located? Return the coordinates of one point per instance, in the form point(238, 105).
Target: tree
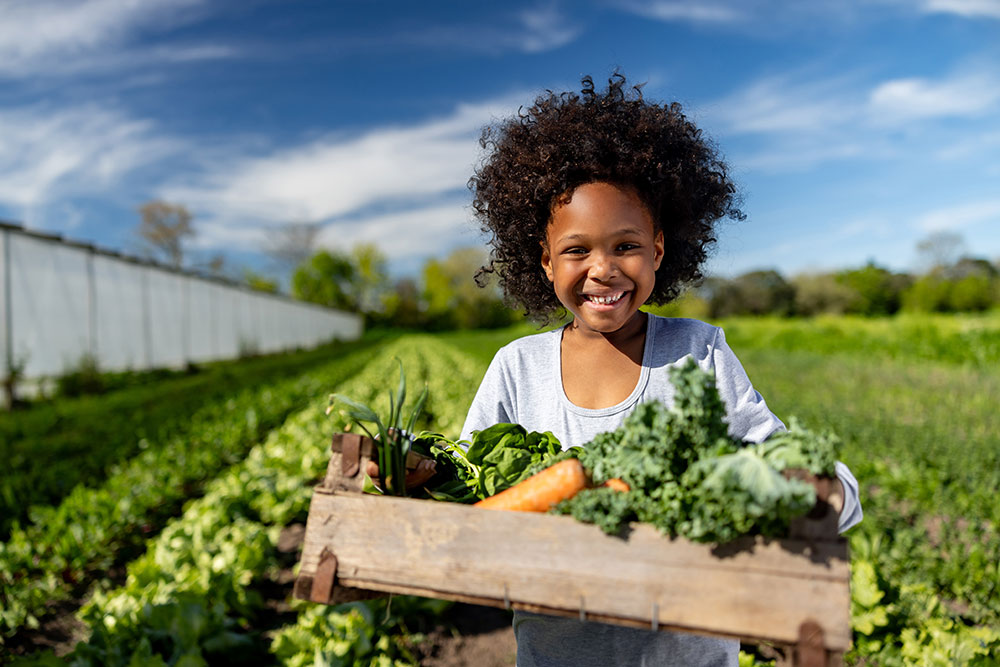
point(401, 305)
point(455, 300)
point(292, 244)
point(972, 266)
point(327, 278)
point(939, 249)
point(164, 226)
point(754, 293)
point(817, 293)
point(259, 281)
point(879, 291)
point(927, 294)
point(974, 292)
point(371, 280)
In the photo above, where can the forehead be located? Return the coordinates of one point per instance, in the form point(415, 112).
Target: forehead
point(600, 208)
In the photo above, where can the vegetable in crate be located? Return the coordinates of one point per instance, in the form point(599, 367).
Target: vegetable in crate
point(687, 477)
point(392, 437)
point(497, 458)
point(541, 491)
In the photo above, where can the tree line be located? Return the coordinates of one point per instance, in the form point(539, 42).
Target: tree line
point(951, 281)
point(445, 296)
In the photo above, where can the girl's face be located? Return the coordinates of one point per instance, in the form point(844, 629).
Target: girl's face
point(601, 255)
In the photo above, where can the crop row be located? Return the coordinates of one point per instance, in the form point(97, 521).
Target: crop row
point(50, 448)
point(94, 528)
point(921, 439)
point(191, 596)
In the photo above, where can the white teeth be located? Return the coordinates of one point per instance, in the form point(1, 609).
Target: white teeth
point(605, 300)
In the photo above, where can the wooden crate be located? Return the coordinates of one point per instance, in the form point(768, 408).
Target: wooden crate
point(793, 593)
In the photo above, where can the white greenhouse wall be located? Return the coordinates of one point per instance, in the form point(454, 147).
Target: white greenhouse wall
point(60, 301)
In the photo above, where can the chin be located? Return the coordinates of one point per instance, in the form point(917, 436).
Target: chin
point(603, 326)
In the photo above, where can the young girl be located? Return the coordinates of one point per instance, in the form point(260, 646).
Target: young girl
point(597, 204)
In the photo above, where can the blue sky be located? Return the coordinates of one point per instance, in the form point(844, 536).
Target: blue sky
point(854, 128)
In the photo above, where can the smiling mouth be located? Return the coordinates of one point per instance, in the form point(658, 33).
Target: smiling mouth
point(604, 299)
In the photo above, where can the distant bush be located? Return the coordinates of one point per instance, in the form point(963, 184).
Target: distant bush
point(821, 293)
point(877, 290)
point(84, 377)
point(688, 304)
point(927, 294)
point(974, 293)
point(934, 293)
point(754, 293)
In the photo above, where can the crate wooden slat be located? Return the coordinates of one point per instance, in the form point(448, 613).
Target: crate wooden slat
point(752, 589)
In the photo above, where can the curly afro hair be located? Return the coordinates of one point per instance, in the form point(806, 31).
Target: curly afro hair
point(537, 159)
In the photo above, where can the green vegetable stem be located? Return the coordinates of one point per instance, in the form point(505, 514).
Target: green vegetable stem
point(392, 436)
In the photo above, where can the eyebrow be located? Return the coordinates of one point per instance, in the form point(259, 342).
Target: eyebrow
point(623, 231)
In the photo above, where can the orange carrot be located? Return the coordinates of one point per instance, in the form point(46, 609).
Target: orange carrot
point(540, 491)
point(616, 484)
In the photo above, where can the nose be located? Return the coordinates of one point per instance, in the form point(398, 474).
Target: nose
point(602, 266)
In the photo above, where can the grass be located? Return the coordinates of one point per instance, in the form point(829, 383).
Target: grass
point(970, 339)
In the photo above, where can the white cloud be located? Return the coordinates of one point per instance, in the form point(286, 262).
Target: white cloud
point(337, 176)
point(912, 98)
point(46, 154)
point(965, 8)
point(780, 104)
point(685, 11)
point(403, 188)
point(970, 145)
point(406, 237)
point(770, 17)
point(545, 29)
point(37, 36)
point(800, 119)
point(961, 216)
point(535, 30)
point(422, 232)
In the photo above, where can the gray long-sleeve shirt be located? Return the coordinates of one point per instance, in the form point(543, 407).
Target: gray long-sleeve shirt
point(524, 385)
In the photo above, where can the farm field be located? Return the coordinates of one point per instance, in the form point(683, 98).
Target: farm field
point(176, 574)
point(123, 421)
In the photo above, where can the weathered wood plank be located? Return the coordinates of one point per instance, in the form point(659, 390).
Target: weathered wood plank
point(753, 589)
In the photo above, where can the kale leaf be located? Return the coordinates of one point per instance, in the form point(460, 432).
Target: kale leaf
point(688, 477)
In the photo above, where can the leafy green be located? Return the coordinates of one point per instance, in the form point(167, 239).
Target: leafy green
point(686, 475)
point(95, 528)
point(353, 634)
point(505, 452)
point(739, 494)
point(392, 437)
point(225, 544)
point(801, 448)
point(497, 458)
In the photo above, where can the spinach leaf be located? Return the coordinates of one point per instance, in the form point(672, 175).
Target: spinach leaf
point(497, 458)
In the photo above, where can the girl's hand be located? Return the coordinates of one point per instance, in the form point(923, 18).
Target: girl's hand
point(831, 490)
point(828, 489)
point(417, 477)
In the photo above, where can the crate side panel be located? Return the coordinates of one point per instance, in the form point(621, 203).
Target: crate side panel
point(754, 589)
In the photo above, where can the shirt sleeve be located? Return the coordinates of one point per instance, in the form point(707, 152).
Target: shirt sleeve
point(493, 403)
point(851, 513)
point(751, 420)
point(749, 417)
